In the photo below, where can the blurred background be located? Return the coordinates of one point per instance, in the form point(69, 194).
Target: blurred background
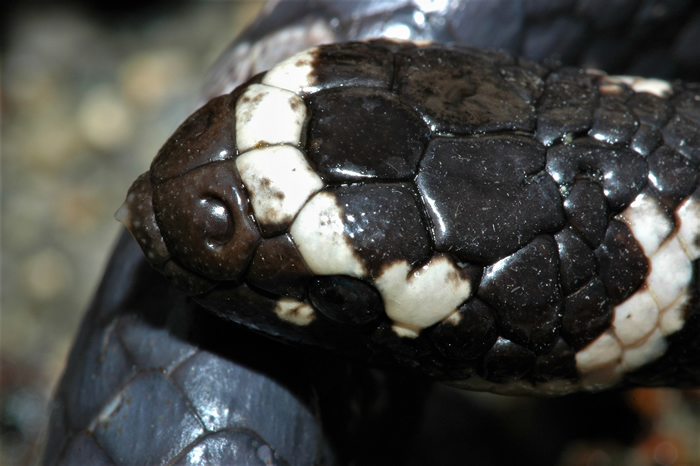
point(90, 91)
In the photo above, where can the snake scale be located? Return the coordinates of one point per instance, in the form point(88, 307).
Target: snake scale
point(490, 221)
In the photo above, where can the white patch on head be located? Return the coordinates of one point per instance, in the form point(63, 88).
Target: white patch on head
point(657, 87)
point(295, 312)
point(268, 115)
point(608, 85)
point(643, 321)
point(671, 273)
point(279, 180)
point(609, 88)
point(598, 363)
point(319, 234)
point(616, 79)
point(453, 319)
point(294, 74)
point(637, 356)
point(423, 296)
point(673, 317)
point(648, 222)
point(603, 351)
point(689, 231)
point(405, 332)
point(635, 318)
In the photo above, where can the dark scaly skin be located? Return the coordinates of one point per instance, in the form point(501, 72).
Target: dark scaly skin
point(135, 305)
point(415, 193)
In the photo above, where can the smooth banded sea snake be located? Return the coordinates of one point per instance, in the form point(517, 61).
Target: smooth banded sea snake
point(570, 254)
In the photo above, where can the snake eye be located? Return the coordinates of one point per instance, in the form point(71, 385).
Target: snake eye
point(217, 222)
point(345, 299)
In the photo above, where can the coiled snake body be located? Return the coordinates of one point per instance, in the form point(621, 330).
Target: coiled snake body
point(485, 220)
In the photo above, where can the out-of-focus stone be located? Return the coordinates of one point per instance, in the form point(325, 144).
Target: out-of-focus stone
point(79, 208)
point(149, 79)
point(46, 274)
point(103, 118)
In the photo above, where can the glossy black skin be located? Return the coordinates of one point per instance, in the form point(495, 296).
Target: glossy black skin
point(126, 297)
point(430, 150)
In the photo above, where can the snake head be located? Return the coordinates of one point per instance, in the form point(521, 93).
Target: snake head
point(190, 213)
point(335, 200)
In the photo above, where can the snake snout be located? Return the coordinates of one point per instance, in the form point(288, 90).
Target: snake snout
point(190, 213)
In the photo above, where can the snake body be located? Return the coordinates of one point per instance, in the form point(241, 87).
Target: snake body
point(490, 221)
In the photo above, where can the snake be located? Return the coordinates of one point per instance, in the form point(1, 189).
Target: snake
point(417, 194)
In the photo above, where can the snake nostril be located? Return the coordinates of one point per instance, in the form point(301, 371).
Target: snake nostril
point(217, 222)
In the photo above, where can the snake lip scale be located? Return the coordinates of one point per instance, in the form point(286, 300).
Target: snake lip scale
point(490, 221)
